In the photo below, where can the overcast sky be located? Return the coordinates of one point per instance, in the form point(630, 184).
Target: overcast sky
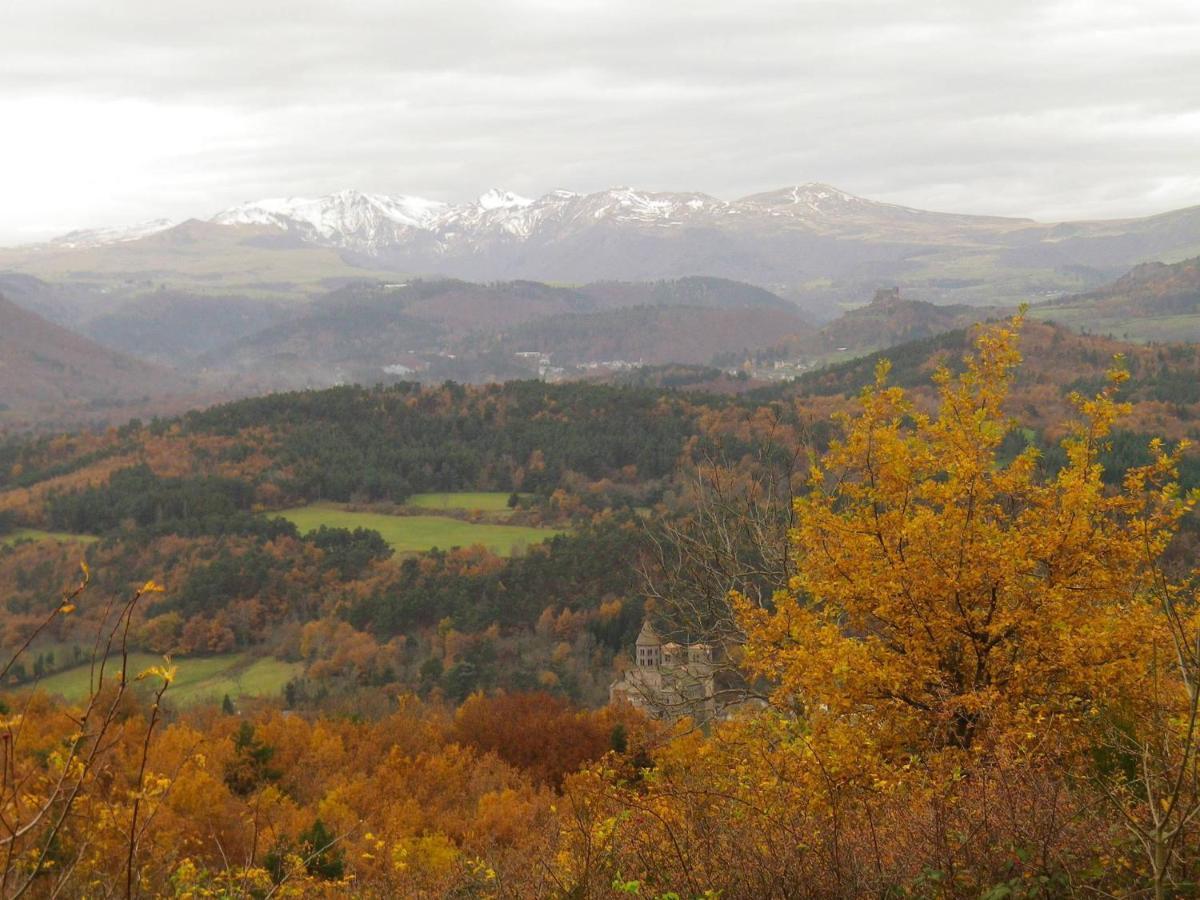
point(116, 112)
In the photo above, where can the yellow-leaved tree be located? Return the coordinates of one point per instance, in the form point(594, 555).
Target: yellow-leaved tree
point(950, 600)
point(979, 655)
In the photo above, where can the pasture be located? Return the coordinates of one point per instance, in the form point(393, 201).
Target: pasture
point(198, 679)
point(485, 501)
point(414, 534)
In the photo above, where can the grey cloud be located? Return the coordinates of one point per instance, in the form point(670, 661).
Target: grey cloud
point(1052, 109)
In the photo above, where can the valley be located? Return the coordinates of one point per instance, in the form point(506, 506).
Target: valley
point(157, 320)
point(442, 583)
point(490, 526)
point(245, 511)
point(593, 451)
point(1157, 302)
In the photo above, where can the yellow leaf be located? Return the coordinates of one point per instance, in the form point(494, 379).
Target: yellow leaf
point(165, 672)
point(152, 587)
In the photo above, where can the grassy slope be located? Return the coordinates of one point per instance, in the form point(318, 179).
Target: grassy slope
point(486, 501)
point(1184, 327)
point(196, 255)
point(408, 534)
point(1152, 302)
point(198, 679)
point(263, 677)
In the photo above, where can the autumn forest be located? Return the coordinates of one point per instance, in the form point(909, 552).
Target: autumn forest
point(947, 590)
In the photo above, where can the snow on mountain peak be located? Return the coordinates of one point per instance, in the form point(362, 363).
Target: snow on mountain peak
point(498, 199)
point(347, 218)
point(627, 204)
point(811, 202)
point(372, 223)
point(95, 237)
point(815, 191)
point(335, 211)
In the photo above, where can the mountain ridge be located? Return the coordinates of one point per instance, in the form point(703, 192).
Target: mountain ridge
point(819, 247)
point(363, 220)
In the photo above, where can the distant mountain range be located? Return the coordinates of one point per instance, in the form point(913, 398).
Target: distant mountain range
point(365, 287)
point(380, 223)
point(811, 243)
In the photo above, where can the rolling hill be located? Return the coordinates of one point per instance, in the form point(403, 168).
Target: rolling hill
point(652, 334)
point(447, 328)
point(889, 319)
point(1155, 301)
point(49, 373)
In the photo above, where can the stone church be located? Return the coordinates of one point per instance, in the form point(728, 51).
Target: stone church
point(668, 680)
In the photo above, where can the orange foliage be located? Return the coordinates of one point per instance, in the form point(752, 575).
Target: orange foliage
point(538, 733)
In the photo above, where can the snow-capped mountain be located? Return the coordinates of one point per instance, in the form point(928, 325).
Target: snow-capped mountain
point(807, 239)
point(345, 219)
point(801, 200)
point(96, 237)
point(374, 222)
point(833, 211)
point(793, 236)
point(382, 224)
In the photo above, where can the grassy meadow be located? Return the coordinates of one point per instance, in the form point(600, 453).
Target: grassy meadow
point(484, 501)
point(1183, 327)
point(413, 534)
point(198, 679)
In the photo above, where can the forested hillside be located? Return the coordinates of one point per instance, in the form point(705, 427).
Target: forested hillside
point(322, 670)
point(192, 497)
point(648, 335)
point(887, 321)
point(1154, 302)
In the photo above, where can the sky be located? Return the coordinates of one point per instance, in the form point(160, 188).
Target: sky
point(119, 112)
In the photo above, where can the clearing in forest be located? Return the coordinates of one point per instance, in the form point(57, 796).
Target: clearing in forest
point(198, 679)
point(414, 534)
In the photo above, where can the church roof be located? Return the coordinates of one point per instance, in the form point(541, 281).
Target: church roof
point(648, 637)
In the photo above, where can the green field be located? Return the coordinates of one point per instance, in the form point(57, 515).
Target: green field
point(485, 501)
point(411, 534)
point(198, 679)
point(35, 534)
point(1182, 327)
